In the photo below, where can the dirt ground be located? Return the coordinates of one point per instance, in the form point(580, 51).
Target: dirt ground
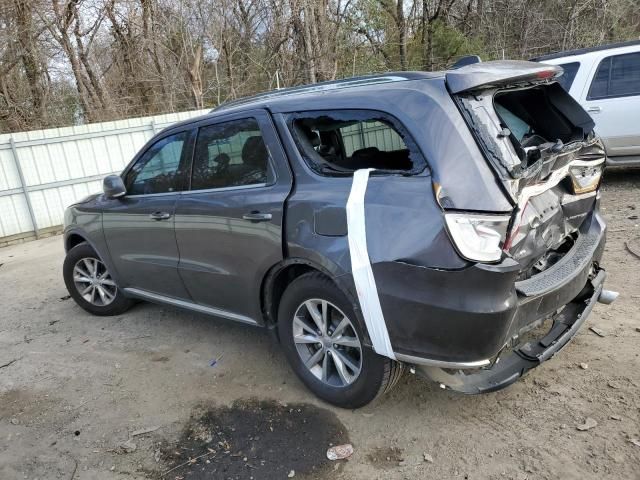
point(222, 402)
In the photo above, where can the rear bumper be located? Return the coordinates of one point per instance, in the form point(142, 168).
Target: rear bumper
point(465, 319)
point(513, 364)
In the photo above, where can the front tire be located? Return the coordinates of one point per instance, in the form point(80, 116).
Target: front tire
point(322, 341)
point(90, 284)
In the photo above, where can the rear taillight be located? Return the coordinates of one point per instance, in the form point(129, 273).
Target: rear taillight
point(478, 237)
point(585, 178)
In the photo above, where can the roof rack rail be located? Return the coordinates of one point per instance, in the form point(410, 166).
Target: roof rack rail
point(582, 51)
point(317, 87)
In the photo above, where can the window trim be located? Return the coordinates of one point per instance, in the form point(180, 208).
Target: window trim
point(401, 129)
point(595, 73)
point(270, 167)
point(187, 150)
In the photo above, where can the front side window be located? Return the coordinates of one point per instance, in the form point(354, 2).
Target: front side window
point(159, 169)
point(348, 140)
point(230, 154)
point(568, 75)
point(617, 76)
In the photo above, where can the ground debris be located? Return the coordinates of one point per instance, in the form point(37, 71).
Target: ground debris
point(597, 331)
point(340, 452)
point(635, 441)
point(128, 446)
point(584, 366)
point(427, 457)
point(9, 363)
point(633, 246)
point(615, 417)
point(291, 474)
point(144, 431)
point(588, 424)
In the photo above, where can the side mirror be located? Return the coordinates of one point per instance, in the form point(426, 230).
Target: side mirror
point(113, 186)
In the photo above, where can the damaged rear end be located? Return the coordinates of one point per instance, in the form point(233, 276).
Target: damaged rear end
point(548, 161)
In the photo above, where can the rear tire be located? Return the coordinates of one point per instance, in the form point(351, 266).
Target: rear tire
point(322, 320)
point(90, 284)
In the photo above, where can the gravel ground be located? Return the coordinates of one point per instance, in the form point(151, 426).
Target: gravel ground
point(79, 388)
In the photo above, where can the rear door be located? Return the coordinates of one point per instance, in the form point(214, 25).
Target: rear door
point(139, 227)
point(612, 98)
point(229, 224)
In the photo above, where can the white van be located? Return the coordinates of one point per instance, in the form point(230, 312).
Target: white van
point(605, 80)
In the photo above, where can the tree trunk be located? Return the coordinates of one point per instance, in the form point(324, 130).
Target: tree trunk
point(195, 78)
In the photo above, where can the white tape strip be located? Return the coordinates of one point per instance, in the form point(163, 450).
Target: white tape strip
point(361, 266)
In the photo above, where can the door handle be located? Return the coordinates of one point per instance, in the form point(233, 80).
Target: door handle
point(257, 217)
point(594, 109)
point(160, 216)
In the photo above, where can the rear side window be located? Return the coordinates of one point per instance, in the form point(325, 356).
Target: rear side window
point(347, 140)
point(230, 154)
point(569, 74)
point(617, 76)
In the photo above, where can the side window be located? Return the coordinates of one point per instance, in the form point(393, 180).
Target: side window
point(625, 75)
point(617, 76)
point(159, 169)
point(569, 74)
point(230, 154)
point(370, 134)
point(343, 141)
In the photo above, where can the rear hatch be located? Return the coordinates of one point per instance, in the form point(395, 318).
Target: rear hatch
point(542, 148)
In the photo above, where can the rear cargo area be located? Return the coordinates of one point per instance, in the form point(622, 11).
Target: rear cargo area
point(541, 145)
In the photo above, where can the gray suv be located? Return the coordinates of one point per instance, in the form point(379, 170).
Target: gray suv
point(445, 221)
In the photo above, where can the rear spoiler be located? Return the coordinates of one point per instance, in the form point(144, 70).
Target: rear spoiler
point(482, 75)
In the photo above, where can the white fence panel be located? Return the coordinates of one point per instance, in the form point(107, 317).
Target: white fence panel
point(44, 171)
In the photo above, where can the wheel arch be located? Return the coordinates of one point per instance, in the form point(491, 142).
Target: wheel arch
point(282, 274)
point(74, 239)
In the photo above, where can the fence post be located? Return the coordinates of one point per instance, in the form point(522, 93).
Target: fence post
point(23, 186)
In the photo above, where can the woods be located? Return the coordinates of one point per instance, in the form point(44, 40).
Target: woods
point(64, 62)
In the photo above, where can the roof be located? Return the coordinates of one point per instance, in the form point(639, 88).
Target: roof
point(284, 98)
point(323, 87)
point(582, 51)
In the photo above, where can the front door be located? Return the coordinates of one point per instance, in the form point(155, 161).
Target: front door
point(613, 101)
point(139, 227)
point(229, 225)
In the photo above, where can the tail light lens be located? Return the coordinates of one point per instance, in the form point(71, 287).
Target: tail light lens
point(585, 178)
point(478, 237)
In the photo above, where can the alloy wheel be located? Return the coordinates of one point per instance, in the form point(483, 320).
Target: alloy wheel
point(93, 282)
point(327, 343)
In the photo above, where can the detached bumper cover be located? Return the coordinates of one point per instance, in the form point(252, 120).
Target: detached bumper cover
point(516, 363)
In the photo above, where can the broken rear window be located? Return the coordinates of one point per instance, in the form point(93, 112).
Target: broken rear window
point(540, 117)
point(340, 142)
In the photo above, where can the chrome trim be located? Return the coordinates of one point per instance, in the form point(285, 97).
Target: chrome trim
point(227, 189)
point(143, 195)
point(155, 297)
point(441, 363)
